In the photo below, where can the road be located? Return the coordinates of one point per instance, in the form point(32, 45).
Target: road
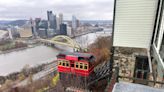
point(48, 70)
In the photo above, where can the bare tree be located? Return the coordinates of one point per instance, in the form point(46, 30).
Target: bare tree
point(101, 49)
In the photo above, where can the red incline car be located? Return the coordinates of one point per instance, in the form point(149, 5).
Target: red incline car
point(76, 63)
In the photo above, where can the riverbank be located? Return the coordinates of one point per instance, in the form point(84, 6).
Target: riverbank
point(33, 56)
point(25, 72)
point(84, 33)
point(12, 45)
point(19, 49)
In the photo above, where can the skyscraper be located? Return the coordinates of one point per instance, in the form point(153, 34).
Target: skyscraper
point(57, 23)
point(77, 23)
point(63, 29)
point(69, 31)
point(33, 27)
point(60, 18)
point(51, 20)
point(42, 28)
point(74, 23)
point(37, 21)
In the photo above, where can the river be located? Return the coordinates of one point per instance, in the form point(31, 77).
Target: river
point(15, 61)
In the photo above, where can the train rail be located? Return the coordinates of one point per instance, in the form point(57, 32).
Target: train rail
point(101, 73)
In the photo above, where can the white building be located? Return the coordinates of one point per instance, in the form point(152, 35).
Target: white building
point(3, 35)
point(140, 24)
point(10, 34)
point(69, 31)
point(134, 22)
point(59, 20)
point(57, 23)
point(74, 23)
point(25, 31)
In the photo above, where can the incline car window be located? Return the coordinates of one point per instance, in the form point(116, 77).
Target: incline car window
point(63, 63)
point(67, 63)
point(59, 62)
point(81, 65)
point(86, 66)
point(77, 65)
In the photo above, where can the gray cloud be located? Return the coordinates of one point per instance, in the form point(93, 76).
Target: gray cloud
point(83, 9)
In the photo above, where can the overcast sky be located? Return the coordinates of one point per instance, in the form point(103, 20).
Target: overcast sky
point(82, 9)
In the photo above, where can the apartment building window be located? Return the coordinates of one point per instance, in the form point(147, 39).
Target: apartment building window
point(141, 69)
point(161, 52)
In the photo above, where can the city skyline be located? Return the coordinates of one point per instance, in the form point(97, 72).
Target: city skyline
point(83, 9)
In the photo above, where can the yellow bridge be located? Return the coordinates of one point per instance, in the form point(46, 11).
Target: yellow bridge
point(63, 40)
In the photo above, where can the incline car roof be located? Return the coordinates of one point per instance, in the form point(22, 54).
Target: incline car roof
point(85, 55)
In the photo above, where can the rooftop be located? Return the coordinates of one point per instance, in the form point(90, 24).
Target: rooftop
point(131, 87)
point(85, 55)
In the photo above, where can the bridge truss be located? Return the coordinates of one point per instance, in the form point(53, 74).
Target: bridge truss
point(63, 40)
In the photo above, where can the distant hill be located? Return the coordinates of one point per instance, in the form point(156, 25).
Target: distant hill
point(17, 22)
point(22, 22)
point(96, 21)
point(2, 22)
point(13, 23)
point(93, 21)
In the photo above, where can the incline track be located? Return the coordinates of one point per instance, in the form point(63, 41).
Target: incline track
point(101, 73)
point(74, 82)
